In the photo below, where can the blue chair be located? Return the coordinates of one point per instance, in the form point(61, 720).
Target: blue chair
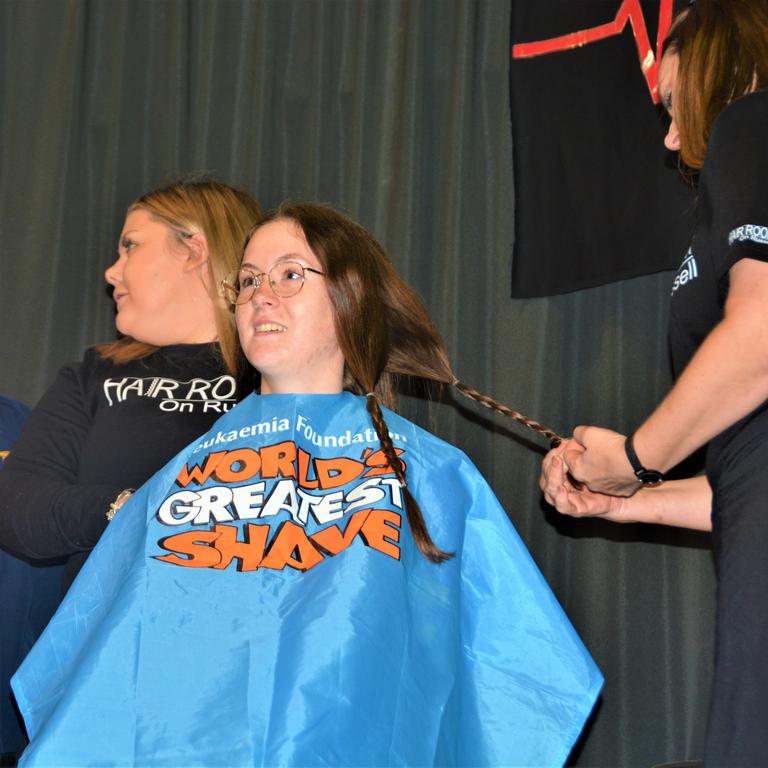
point(30, 592)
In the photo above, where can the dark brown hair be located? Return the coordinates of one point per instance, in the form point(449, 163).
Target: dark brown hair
point(722, 47)
point(383, 330)
point(225, 215)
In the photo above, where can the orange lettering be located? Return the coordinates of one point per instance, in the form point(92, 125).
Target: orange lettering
point(248, 465)
point(331, 539)
point(381, 530)
point(304, 481)
point(198, 475)
point(291, 547)
point(378, 463)
point(248, 552)
point(278, 459)
point(333, 473)
point(200, 555)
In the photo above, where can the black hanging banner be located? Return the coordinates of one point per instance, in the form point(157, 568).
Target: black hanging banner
point(597, 196)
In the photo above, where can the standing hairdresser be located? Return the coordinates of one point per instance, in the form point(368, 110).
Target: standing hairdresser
point(712, 79)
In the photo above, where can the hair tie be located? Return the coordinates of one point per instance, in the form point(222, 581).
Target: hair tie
point(370, 394)
point(455, 382)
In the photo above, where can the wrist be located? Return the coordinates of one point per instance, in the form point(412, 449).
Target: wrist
point(646, 475)
point(622, 512)
point(120, 499)
point(654, 449)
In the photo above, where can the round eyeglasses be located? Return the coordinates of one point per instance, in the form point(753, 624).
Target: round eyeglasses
point(285, 279)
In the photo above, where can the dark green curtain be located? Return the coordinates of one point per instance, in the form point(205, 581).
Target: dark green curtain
point(397, 112)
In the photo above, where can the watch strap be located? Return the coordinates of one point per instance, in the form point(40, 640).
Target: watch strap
point(645, 476)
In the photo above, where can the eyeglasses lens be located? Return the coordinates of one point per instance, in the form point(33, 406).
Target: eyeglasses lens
point(285, 279)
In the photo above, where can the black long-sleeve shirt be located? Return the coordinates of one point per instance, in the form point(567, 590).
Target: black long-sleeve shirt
point(99, 429)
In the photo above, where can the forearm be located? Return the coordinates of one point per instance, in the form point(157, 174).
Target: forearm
point(45, 511)
point(681, 503)
point(43, 518)
point(726, 380)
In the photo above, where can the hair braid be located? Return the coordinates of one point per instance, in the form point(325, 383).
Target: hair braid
point(494, 405)
point(415, 518)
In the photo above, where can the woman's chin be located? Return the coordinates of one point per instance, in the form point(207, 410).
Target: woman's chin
point(123, 326)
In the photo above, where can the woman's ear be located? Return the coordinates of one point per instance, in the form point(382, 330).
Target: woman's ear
point(197, 252)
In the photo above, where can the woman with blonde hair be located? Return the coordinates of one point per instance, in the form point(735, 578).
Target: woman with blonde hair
point(108, 423)
point(712, 81)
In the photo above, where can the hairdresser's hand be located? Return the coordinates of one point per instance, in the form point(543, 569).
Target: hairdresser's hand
point(568, 499)
point(596, 457)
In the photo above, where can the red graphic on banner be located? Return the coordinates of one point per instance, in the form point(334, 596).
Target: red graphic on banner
point(629, 11)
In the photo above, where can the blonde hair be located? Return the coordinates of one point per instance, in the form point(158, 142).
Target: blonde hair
point(722, 47)
point(225, 215)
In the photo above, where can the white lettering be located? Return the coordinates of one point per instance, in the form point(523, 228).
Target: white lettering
point(213, 504)
point(368, 493)
point(687, 271)
point(283, 497)
point(177, 509)
point(217, 395)
point(753, 232)
point(168, 386)
point(199, 388)
point(222, 503)
point(224, 388)
point(328, 507)
point(247, 499)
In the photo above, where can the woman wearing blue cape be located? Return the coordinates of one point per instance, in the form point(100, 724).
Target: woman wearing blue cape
point(315, 581)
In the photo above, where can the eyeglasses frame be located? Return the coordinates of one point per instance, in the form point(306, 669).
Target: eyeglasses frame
point(259, 280)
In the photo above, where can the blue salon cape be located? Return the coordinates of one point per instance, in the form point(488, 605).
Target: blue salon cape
point(261, 601)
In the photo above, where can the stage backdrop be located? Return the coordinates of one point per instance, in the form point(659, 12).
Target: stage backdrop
point(399, 113)
point(596, 201)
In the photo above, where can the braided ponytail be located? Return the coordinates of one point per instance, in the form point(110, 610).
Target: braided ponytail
point(415, 518)
point(494, 405)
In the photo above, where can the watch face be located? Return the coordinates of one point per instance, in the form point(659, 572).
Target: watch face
point(650, 477)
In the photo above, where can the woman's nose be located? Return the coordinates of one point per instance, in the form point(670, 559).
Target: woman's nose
point(113, 274)
point(263, 293)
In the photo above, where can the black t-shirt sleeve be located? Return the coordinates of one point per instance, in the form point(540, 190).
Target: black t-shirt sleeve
point(737, 174)
point(44, 513)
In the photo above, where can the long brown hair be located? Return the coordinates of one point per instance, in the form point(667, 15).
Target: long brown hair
point(722, 47)
point(225, 215)
point(383, 330)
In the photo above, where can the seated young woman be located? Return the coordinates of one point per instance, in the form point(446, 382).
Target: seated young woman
point(316, 580)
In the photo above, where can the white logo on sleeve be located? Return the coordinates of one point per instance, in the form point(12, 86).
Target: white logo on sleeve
point(752, 232)
point(688, 271)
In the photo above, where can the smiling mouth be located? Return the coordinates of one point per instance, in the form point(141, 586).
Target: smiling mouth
point(270, 328)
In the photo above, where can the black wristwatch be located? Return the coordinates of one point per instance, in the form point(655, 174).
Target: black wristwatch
point(648, 477)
